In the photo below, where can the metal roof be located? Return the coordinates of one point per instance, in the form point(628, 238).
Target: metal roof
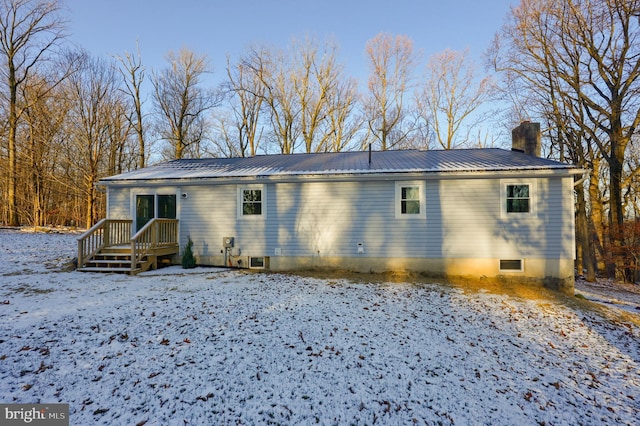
point(343, 163)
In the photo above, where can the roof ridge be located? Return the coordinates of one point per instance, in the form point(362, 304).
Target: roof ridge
point(345, 163)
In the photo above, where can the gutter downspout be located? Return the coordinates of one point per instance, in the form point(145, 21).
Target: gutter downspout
point(584, 177)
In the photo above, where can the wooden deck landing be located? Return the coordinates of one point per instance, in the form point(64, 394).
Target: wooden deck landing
point(106, 248)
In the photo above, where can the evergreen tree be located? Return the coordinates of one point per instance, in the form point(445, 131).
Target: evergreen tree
point(188, 259)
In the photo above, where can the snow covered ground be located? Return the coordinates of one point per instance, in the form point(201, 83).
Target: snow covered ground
point(621, 296)
point(215, 346)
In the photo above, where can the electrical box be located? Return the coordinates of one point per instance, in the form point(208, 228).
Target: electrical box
point(227, 242)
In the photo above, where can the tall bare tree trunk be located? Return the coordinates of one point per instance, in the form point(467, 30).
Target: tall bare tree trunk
point(133, 73)
point(181, 102)
point(28, 29)
point(597, 214)
point(90, 203)
point(13, 219)
point(584, 256)
point(391, 62)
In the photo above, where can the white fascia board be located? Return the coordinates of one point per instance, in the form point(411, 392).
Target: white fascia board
point(349, 177)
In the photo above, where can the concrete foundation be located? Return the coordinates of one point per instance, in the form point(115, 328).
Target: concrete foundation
point(555, 274)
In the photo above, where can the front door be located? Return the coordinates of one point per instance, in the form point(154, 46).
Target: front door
point(145, 210)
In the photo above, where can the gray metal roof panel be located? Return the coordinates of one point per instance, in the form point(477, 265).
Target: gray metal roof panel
point(353, 162)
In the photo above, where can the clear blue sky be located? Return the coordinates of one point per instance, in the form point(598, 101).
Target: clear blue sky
point(221, 27)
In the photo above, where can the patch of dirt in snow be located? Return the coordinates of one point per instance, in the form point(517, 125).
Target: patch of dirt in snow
point(230, 347)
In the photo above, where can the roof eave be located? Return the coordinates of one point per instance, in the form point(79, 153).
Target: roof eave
point(564, 170)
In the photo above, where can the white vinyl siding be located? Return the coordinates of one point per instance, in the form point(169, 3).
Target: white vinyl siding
point(463, 219)
point(330, 219)
point(472, 218)
point(119, 203)
point(208, 215)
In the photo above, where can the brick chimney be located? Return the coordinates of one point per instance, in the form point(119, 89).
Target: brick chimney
point(526, 138)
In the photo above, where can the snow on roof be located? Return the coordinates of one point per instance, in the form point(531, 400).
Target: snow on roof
point(354, 162)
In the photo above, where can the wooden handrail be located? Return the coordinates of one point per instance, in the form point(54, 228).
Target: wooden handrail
point(105, 233)
point(90, 242)
point(155, 233)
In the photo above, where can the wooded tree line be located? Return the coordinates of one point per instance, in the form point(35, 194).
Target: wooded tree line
point(70, 118)
point(576, 65)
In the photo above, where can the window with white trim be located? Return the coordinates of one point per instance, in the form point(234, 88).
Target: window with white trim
point(410, 200)
point(251, 201)
point(518, 198)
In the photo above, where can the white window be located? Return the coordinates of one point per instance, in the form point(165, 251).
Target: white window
point(251, 201)
point(410, 200)
point(517, 198)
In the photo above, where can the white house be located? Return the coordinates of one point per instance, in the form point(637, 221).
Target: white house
point(470, 212)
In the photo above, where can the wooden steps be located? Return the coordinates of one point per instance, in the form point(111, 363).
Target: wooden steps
point(110, 270)
point(108, 247)
point(118, 260)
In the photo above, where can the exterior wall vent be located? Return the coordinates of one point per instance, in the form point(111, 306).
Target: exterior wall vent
point(511, 265)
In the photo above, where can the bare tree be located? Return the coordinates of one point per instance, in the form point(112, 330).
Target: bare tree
point(122, 151)
point(274, 70)
point(302, 92)
point(247, 95)
point(524, 56)
point(133, 73)
point(449, 97)
point(343, 121)
point(608, 34)
point(326, 97)
point(29, 29)
point(181, 102)
point(581, 60)
point(44, 114)
point(392, 62)
point(226, 140)
point(94, 92)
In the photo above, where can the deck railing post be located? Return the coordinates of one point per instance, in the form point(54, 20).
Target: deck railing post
point(154, 234)
point(174, 232)
point(80, 262)
point(134, 256)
